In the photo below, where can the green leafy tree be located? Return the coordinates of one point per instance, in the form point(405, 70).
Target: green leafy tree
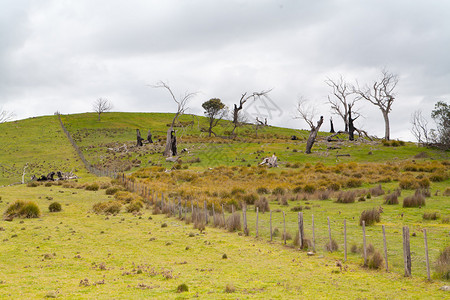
point(441, 115)
point(215, 110)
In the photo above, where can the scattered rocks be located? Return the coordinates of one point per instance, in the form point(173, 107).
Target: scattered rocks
point(445, 288)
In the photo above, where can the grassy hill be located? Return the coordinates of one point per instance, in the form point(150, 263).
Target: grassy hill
point(77, 253)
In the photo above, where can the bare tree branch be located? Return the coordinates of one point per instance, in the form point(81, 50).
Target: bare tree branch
point(305, 112)
point(101, 105)
point(420, 128)
point(6, 116)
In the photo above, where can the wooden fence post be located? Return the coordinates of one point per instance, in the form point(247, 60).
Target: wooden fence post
point(162, 201)
point(329, 234)
point(185, 208)
point(313, 234)
point(364, 242)
point(426, 254)
point(257, 219)
point(284, 227)
point(244, 211)
point(179, 208)
point(345, 240)
point(214, 214)
point(385, 248)
point(270, 225)
point(406, 251)
point(206, 212)
point(300, 230)
point(223, 214)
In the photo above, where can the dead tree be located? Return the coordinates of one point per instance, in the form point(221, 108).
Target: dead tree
point(381, 94)
point(5, 116)
point(171, 141)
point(306, 113)
point(342, 93)
point(149, 137)
point(420, 128)
point(139, 138)
point(331, 126)
point(101, 105)
point(237, 118)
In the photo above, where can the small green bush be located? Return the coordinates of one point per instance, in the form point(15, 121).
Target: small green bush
point(134, 206)
point(408, 183)
point(23, 209)
point(262, 190)
point(278, 191)
point(33, 184)
point(250, 198)
point(182, 288)
point(55, 207)
point(309, 188)
point(230, 288)
point(92, 187)
point(109, 208)
point(297, 189)
point(112, 190)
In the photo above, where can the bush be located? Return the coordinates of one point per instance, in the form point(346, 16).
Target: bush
point(370, 216)
point(230, 288)
point(112, 190)
point(182, 288)
point(278, 191)
point(309, 188)
point(134, 206)
point(23, 209)
point(234, 222)
point(431, 215)
point(92, 187)
point(346, 197)
point(333, 246)
point(447, 192)
point(262, 190)
point(250, 198)
point(324, 195)
point(376, 191)
point(334, 186)
point(375, 260)
point(408, 183)
point(54, 207)
point(110, 207)
point(415, 200)
point(442, 264)
point(263, 204)
point(288, 236)
point(297, 208)
point(353, 183)
point(33, 184)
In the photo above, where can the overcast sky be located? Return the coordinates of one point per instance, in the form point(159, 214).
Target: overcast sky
point(62, 55)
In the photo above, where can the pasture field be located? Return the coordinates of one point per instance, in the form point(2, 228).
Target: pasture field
point(76, 254)
point(80, 254)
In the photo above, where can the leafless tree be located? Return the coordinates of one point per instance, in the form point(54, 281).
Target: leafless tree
point(101, 105)
point(420, 128)
point(342, 92)
point(306, 112)
point(381, 94)
point(182, 103)
point(5, 116)
point(237, 118)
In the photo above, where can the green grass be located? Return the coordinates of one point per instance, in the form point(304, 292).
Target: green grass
point(133, 257)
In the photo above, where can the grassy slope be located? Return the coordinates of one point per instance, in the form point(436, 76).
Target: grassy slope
point(41, 143)
point(51, 255)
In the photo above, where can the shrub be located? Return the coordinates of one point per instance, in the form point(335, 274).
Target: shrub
point(415, 200)
point(263, 204)
point(278, 191)
point(370, 216)
point(431, 215)
point(424, 192)
point(275, 232)
point(424, 183)
point(237, 191)
point(92, 187)
point(110, 207)
point(297, 208)
point(446, 220)
point(234, 222)
point(182, 288)
point(447, 192)
point(376, 191)
point(391, 199)
point(262, 190)
point(408, 183)
point(33, 184)
point(346, 197)
point(250, 198)
point(353, 183)
point(230, 288)
point(112, 190)
point(334, 186)
point(297, 189)
point(134, 206)
point(333, 246)
point(354, 248)
point(23, 209)
point(306, 242)
point(324, 195)
point(375, 260)
point(442, 264)
point(54, 207)
point(288, 236)
point(309, 188)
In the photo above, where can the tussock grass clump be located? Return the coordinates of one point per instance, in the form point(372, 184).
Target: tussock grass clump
point(288, 236)
point(234, 222)
point(416, 200)
point(375, 260)
point(278, 191)
point(442, 264)
point(306, 242)
point(55, 207)
point(392, 198)
point(431, 215)
point(33, 184)
point(408, 183)
point(275, 232)
point(331, 247)
point(219, 221)
point(376, 191)
point(370, 216)
point(22, 209)
point(250, 198)
point(323, 194)
point(112, 190)
point(182, 288)
point(109, 208)
point(134, 206)
point(263, 204)
point(262, 190)
point(230, 288)
point(297, 208)
point(309, 188)
point(424, 192)
point(353, 183)
point(92, 187)
point(445, 220)
point(346, 197)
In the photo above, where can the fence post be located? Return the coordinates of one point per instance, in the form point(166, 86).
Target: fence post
point(284, 227)
point(185, 208)
point(364, 242)
point(206, 212)
point(300, 230)
point(192, 212)
point(406, 251)
point(345, 240)
point(426, 254)
point(214, 214)
point(162, 201)
point(314, 234)
point(385, 248)
point(270, 225)
point(179, 208)
point(257, 219)
point(244, 211)
point(223, 214)
point(329, 234)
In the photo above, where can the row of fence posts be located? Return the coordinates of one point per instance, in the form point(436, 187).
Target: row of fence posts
point(144, 191)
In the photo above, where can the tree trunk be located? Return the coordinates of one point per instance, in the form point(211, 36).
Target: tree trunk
point(139, 138)
point(386, 125)
point(99, 116)
point(351, 127)
point(332, 127)
point(313, 135)
point(168, 150)
point(149, 137)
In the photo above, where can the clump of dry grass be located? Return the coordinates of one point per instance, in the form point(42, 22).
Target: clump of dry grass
point(442, 264)
point(392, 198)
point(263, 204)
point(376, 191)
point(416, 200)
point(109, 208)
point(234, 222)
point(431, 215)
point(375, 260)
point(370, 216)
point(22, 209)
point(331, 247)
point(346, 197)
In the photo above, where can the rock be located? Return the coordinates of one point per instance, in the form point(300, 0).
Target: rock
point(172, 159)
point(445, 288)
point(310, 253)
